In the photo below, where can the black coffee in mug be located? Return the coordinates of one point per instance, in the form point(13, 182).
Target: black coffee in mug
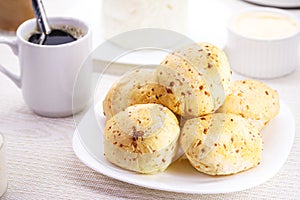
point(57, 36)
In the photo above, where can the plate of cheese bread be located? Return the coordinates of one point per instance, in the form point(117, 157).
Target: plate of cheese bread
point(186, 126)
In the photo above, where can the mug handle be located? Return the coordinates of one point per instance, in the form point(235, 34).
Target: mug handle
point(12, 43)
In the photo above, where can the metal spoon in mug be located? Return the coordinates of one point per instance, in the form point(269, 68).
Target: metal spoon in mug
point(47, 36)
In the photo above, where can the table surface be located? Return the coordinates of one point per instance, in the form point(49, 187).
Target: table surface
point(41, 162)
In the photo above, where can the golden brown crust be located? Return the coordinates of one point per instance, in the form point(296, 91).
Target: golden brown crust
point(146, 132)
point(253, 100)
point(136, 87)
point(196, 78)
point(221, 144)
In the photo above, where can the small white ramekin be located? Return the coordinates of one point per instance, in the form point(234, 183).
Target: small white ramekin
point(263, 58)
point(3, 172)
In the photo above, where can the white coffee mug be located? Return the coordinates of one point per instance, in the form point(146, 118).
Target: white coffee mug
point(48, 73)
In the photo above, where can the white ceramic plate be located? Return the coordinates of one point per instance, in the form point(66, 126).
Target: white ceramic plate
point(180, 176)
point(277, 3)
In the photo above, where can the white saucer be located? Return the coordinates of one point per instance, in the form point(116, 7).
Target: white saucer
point(141, 57)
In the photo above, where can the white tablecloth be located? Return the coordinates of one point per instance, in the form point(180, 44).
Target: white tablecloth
point(42, 165)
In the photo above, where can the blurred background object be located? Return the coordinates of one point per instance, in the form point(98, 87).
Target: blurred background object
point(13, 13)
point(119, 16)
